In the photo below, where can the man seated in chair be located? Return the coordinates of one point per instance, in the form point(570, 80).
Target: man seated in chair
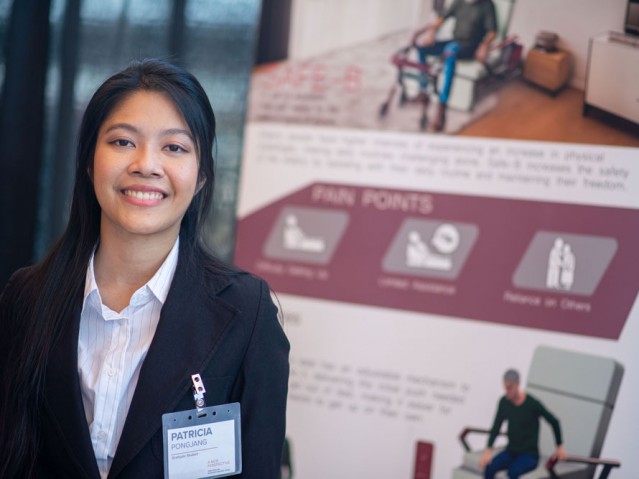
point(475, 29)
point(522, 411)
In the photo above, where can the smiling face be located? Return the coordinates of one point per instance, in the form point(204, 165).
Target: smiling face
point(145, 168)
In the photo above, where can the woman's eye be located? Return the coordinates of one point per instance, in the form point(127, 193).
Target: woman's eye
point(175, 148)
point(121, 142)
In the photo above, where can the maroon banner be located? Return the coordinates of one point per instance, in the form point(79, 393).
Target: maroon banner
point(550, 266)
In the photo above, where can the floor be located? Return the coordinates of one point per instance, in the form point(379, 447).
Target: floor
point(526, 112)
point(346, 88)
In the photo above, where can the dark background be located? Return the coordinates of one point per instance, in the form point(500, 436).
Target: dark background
point(55, 53)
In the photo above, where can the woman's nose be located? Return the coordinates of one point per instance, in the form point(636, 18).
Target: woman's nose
point(146, 162)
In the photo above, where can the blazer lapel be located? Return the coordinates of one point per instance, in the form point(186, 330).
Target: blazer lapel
point(192, 323)
point(64, 399)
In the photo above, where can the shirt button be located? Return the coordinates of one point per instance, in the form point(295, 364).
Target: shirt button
point(102, 435)
point(111, 372)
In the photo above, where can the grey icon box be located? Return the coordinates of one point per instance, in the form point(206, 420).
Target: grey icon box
point(565, 262)
point(430, 248)
point(308, 235)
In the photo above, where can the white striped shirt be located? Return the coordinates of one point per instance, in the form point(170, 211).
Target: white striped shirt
point(111, 349)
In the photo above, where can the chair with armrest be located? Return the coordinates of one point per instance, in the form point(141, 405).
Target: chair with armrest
point(580, 390)
point(471, 74)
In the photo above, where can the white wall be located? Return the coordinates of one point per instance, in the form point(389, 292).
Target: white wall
point(575, 21)
point(321, 26)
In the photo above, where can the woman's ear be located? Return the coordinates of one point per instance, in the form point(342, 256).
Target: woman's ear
point(90, 173)
point(200, 183)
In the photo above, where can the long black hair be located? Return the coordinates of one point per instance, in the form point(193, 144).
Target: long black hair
point(48, 293)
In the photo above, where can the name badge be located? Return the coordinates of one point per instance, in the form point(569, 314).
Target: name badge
point(202, 443)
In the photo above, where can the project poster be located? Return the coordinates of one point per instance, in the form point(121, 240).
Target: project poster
point(414, 267)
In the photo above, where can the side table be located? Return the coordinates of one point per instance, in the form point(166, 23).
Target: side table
point(549, 70)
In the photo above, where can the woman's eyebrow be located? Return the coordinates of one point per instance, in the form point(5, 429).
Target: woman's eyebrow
point(133, 129)
point(124, 126)
point(177, 131)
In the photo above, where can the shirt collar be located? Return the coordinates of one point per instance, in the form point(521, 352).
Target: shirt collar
point(161, 281)
point(159, 284)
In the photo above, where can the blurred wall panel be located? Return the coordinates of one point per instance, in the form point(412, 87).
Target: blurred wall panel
point(89, 40)
point(25, 47)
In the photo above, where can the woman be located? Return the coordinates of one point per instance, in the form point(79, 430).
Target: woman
point(100, 339)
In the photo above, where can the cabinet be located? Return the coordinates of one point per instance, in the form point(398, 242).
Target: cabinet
point(549, 70)
point(612, 78)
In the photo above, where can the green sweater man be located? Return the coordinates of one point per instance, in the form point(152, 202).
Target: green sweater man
point(522, 412)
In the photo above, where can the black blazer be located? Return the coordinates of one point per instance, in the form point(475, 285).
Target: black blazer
point(223, 326)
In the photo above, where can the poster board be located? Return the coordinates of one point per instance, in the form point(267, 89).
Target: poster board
point(414, 267)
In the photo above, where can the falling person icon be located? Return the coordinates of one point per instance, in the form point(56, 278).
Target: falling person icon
point(296, 239)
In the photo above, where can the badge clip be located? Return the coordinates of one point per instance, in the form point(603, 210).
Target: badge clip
point(198, 393)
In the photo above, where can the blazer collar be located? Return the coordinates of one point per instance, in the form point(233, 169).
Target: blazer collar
point(192, 324)
point(64, 397)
